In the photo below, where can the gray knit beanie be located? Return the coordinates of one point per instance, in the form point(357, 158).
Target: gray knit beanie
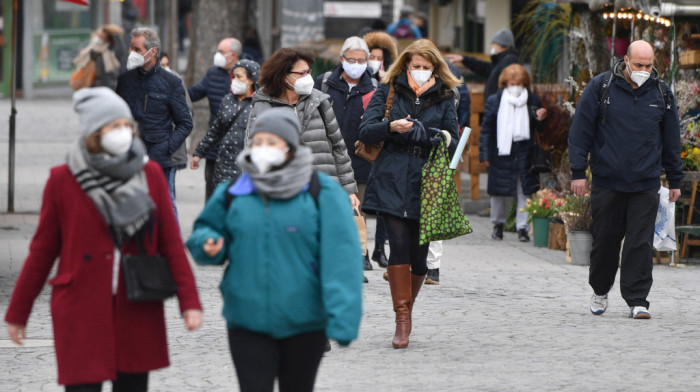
point(99, 106)
point(503, 37)
point(280, 121)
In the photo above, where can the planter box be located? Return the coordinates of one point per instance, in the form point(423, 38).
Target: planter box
point(557, 236)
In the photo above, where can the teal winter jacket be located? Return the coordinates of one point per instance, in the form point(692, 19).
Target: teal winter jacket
point(294, 265)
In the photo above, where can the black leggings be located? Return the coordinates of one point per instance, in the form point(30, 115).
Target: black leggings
point(403, 241)
point(260, 358)
point(126, 382)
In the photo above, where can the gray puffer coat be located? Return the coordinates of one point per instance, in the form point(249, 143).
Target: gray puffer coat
point(319, 131)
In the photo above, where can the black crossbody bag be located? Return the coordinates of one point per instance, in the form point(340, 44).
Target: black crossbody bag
point(147, 278)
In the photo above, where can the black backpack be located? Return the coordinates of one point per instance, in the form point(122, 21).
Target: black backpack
point(314, 190)
point(603, 94)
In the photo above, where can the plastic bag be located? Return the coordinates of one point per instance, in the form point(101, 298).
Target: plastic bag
point(665, 227)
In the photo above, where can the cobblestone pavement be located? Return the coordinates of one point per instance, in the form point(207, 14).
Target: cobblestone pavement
point(506, 317)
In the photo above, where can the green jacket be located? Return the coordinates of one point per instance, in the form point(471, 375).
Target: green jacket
point(295, 265)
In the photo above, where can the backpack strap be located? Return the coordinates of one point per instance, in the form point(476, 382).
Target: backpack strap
point(603, 93)
point(663, 89)
point(324, 81)
point(314, 190)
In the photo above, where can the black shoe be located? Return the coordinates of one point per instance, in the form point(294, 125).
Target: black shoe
point(497, 233)
point(380, 257)
point(522, 235)
point(368, 265)
point(328, 346)
point(364, 279)
point(433, 276)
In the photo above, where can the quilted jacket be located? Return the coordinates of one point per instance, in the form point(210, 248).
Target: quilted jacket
point(215, 84)
point(319, 131)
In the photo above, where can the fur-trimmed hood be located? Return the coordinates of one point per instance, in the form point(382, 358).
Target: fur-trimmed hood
point(382, 40)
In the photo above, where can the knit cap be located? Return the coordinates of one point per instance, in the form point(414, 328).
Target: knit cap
point(97, 107)
point(280, 121)
point(503, 37)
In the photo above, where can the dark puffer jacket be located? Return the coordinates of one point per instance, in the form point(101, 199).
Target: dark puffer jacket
point(502, 170)
point(394, 182)
point(319, 131)
point(227, 132)
point(348, 109)
point(491, 70)
point(215, 84)
point(157, 101)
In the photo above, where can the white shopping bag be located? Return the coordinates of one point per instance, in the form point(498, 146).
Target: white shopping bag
point(665, 227)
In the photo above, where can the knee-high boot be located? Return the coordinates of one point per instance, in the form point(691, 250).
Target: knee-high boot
point(400, 284)
point(416, 284)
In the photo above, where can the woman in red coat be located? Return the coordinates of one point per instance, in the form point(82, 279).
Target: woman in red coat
point(108, 200)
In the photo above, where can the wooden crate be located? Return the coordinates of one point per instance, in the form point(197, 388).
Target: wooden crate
point(690, 57)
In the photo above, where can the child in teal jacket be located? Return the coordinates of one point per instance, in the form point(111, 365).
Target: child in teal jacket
point(294, 273)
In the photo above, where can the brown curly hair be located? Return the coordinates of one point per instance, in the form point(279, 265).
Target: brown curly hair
point(273, 75)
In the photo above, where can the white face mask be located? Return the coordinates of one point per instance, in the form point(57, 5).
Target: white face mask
point(266, 157)
point(374, 65)
point(421, 76)
point(304, 85)
point(220, 60)
point(638, 77)
point(118, 141)
point(96, 40)
point(354, 71)
point(493, 51)
point(515, 90)
point(136, 60)
point(238, 87)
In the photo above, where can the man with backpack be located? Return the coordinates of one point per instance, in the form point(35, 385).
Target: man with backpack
point(627, 120)
point(404, 28)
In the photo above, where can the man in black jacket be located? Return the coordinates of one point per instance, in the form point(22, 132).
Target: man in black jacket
point(157, 101)
point(627, 120)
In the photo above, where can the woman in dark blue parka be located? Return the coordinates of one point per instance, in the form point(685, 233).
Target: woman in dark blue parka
point(511, 116)
point(419, 87)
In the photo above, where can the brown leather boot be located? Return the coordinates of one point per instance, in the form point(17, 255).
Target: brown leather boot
point(400, 284)
point(416, 284)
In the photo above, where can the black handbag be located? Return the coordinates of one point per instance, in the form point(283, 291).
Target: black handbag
point(541, 160)
point(147, 278)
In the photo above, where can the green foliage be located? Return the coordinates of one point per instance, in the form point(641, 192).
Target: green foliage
point(321, 65)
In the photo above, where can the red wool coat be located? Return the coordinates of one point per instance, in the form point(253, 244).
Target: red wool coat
point(97, 334)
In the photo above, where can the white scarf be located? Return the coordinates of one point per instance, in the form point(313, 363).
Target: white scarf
point(513, 121)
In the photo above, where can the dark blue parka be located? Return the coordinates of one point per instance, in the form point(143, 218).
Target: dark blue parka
point(157, 101)
point(639, 137)
point(394, 181)
point(215, 84)
point(348, 109)
point(503, 170)
point(491, 70)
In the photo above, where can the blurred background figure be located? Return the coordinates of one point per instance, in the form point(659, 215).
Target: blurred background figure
point(107, 49)
point(404, 28)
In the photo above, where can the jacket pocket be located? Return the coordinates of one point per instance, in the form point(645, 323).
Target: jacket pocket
point(62, 279)
point(155, 103)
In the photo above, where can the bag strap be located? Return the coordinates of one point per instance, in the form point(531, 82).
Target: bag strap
point(389, 102)
point(314, 190)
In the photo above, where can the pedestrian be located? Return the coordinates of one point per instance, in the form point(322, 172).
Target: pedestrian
point(503, 54)
point(420, 20)
point(286, 81)
point(215, 84)
point(350, 87)
point(106, 50)
point(627, 121)
point(108, 200)
point(506, 144)
point(158, 102)
point(419, 88)
point(227, 131)
point(404, 27)
point(382, 53)
point(287, 227)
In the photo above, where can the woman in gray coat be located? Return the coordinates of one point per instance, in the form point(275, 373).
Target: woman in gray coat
point(286, 81)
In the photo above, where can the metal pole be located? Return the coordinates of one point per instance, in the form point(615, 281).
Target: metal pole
point(612, 40)
point(13, 112)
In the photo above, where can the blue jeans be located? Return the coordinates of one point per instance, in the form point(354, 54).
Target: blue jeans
point(169, 173)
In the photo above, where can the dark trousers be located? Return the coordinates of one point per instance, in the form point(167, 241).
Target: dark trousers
point(380, 233)
point(405, 248)
point(125, 382)
point(260, 358)
point(209, 165)
point(618, 215)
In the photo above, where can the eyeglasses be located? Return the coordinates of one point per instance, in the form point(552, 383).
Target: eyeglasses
point(353, 61)
point(301, 73)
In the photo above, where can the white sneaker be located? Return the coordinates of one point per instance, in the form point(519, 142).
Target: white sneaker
point(599, 303)
point(639, 312)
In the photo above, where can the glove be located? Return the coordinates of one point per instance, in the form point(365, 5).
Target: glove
point(418, 134)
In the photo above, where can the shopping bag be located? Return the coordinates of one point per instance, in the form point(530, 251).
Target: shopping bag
point(84, 77)
point(441, 216)
point(361, 229)
point(665, 227)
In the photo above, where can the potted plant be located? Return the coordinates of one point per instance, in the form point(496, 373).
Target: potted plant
point(577, 216)
point(544, 205)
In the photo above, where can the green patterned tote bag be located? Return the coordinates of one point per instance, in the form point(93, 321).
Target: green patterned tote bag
point(441, 217)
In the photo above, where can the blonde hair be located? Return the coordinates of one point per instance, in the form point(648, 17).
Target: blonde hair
point(427, 49)
point(514, 72)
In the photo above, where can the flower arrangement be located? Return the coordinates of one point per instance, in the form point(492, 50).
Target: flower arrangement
point(576, 213)
point(545, 204)
point(690, 143)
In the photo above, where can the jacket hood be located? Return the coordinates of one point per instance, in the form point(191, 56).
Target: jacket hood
point(382, 40)
point(261, 95)
point(620, 66)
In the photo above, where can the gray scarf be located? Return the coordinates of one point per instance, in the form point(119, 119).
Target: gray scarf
point(282, 182)
point(117, 185)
